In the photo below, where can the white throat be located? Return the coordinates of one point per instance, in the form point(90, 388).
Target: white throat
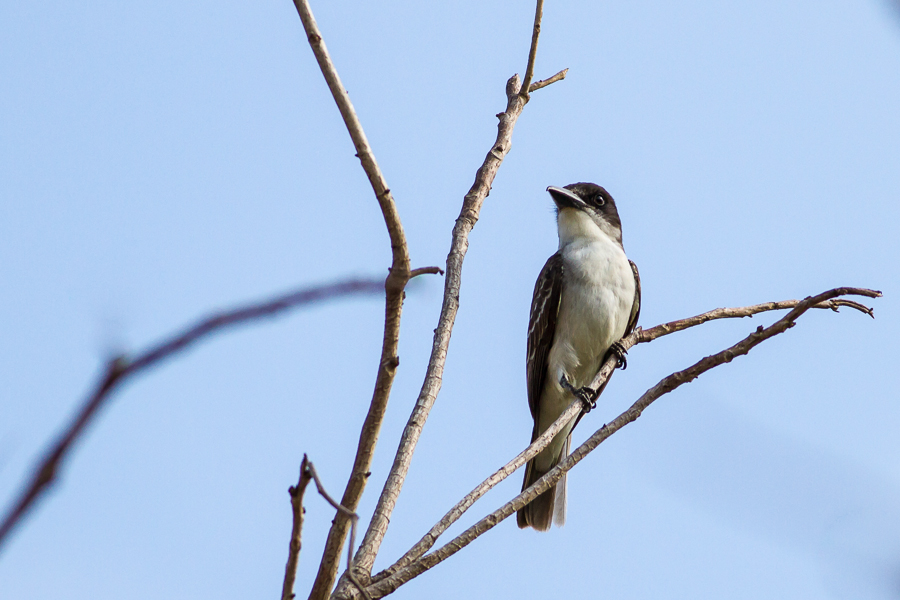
point(578, 226)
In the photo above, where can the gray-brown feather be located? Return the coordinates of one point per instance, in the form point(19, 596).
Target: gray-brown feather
point(542, 328)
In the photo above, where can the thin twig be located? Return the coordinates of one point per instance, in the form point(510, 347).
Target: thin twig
point(296, 493)
point(351, 516)
point(749, 311)
point(532, 52)
point(121, 368)
point(648, 335)
point(545, 82)
point(394, 285)
point(426, 271)
point(360, 142)
point(666, 385)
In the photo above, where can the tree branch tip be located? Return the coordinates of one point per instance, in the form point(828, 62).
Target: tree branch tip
point(512, 85)
point(550, 80)
point(426, 271)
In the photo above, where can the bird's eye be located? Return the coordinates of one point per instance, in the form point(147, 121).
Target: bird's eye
point(599, 200)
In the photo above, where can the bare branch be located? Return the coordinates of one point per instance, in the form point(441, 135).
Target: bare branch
point(574, 409)
point(401, 575)
point(121, 368)
point(648, 335)
point(426, 271)
point(545, 82)
point(394, 285)
point(428, 540)
point(290, 570)
point(532, 53)
point(351, 516)
point(363, 150)
point(468, 216)
point(749, 311)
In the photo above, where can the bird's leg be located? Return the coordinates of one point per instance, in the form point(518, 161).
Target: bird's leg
point(587, 395)
point(619, 350)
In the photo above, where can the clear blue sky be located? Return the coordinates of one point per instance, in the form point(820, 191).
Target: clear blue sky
point(158, 160)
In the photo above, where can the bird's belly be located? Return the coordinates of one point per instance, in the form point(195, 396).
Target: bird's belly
point(597, 297)
point(594, 311)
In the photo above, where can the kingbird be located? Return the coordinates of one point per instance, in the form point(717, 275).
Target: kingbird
point(587, 297)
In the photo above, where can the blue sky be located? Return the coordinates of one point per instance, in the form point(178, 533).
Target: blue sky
point(161, 160)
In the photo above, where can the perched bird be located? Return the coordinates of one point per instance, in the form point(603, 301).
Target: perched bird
point(587, 297)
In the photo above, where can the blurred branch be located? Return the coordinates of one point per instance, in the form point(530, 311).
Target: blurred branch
point(395, 284)
point(468, 216)
point(413, 563)
point(121, 368)
point(296, 492)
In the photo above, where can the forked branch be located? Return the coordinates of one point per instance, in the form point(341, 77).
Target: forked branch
point(395, 284)
point(413, 563)
point(468, 216)
point(296, 493)
point(575, 408)
point(307, 472)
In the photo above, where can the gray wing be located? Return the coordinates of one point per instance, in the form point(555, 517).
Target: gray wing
point(542, 327)
point(636, 307)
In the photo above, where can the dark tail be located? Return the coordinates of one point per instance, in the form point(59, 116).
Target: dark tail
point(539, 512)
point(550, 506)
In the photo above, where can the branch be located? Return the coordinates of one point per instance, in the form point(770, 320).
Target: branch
point(349, 514)
point(545, 82)
point(394, 285)
point(121, 368)
point(364, 152)
point(397, 575)
point(290, 571)
point(648, 335)
point(749, 311)
point(532, 52)
point(426, 271)
point(574, 409)
point(468, 216)
point(428, 540)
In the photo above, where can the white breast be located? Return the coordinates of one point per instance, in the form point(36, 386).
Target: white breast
point(597, 298)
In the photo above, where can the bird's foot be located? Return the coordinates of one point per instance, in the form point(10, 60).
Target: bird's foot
point(619, 350)
point(587, 395)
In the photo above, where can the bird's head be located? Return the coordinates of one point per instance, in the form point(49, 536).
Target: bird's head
point(585, 211)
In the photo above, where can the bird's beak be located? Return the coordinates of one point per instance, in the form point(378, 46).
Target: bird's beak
point(565, 198)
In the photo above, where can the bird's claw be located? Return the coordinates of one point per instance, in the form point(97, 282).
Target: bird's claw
point(619, 350)
point(585, 394)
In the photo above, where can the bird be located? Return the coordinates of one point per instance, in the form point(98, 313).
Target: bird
point(586, 298)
